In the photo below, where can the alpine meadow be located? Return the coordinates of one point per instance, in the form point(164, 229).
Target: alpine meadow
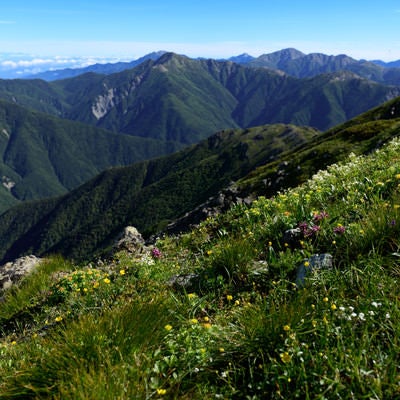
point(198, 228)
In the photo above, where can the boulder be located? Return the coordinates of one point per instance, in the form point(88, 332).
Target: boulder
point(312, 264)
point(131, 240)
point(13, 271)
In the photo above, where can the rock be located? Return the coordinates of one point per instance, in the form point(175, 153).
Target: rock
point(130, 240)
point(315, 262)
point(292, 237)
point(185, 282)
point(13, 271)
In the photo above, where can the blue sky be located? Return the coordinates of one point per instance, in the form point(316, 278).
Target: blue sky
point(88, 31)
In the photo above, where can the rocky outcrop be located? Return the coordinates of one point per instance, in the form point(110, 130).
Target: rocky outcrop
point(14, 271)
point(222, 202)
point(130, 240)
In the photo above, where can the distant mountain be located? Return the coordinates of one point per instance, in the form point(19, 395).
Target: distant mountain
point(300, 65)
point(44, 156)
point(175, 98)
point(150, 194)
point(105, 69)
point(390, 64)
point(242, 58)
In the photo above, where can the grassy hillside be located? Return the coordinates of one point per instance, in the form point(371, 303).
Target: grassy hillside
point(243, 328)
point(147, 194)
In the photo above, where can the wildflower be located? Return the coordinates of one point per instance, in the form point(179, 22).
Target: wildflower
point(325, 299)
point(306, 264)
point(286, 328)
point(206, 319)
point(375, 304)
point(361, 316)
point(333, 307)
point(320, 216)
point(396, 206)
point(285, 357)
point(209, 252)
point(106, 280)
point(269, 244)
point(314, 323)
point(168, 327)
point(333, 242)
point(13, 342)
point(58, 319)
point(339, 229)
point(161, 392)
point(229, 297)
point(191, 296)
point(122, 272)
point(397, 176)
point(194, 321)
point(221, 350)
point(387, 316)
point(237, 302)
point(156, 253)
point(207, 325)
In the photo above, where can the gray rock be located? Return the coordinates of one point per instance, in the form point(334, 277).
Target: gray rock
point(13, 271)
point(130, 240)
point(315, 262)
point(185, 282)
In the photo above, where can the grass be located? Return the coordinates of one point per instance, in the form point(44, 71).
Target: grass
point(119, 330)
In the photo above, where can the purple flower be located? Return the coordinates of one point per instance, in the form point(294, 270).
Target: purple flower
point(320, 216)
point(340, 229)
point(156, 253)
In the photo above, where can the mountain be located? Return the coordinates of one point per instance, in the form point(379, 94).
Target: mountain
point(43, 156)
point(390, 64)
point(300, 65)
point(183, 100)
point(105, 69)
point(150, 194)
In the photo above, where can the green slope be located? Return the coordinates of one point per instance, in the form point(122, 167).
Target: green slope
point(44, 156)
point(147, 194)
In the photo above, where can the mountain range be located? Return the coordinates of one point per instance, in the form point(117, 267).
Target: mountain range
point(57, 135)
point(150, 194)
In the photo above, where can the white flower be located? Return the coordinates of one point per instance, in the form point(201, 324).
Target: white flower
point(387, 316)
point(361, 316)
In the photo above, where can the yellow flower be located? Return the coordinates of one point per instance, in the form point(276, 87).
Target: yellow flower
point(161, 392)
point(314, 323)
point(325, 299)
point(207, 325)
point(333, 307)
point(58, 319)
point(168, 327)
point(122, 272)
point(229, 297)
point(306, 264)
point(206, 319)
point(286, 328)
point(237, 302)
point(191, 295)
point(397, 176)
point(106, 280)
point(396, 206)
point(194, 321)
point(269, 244)
point(221, 349)
point(13, 342)
point(285, 357)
